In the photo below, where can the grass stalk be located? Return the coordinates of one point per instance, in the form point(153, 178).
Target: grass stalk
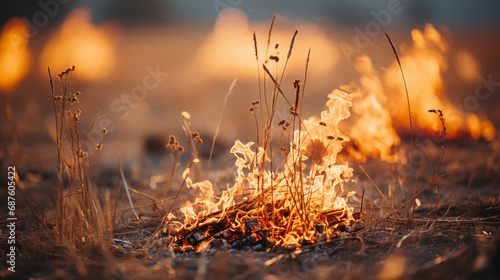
point(439, 114)
point(229, 91)
point(411, 128)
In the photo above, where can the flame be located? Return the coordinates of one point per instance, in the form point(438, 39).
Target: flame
point(14, 54)
point(374, 131)
point(467, 66)
point(79, 42)
point(380, 105)
point(424, 63)
point(289, 203)
point(229, 51)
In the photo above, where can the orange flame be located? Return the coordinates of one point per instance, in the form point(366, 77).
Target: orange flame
point(424, 63)
point(290, 202)
point(380, 105)
point(80, 43)
point(14, 54)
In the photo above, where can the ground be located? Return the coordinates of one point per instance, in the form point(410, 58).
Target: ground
point(461, 244)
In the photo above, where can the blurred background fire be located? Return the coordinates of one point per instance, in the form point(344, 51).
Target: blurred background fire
point(142, 63)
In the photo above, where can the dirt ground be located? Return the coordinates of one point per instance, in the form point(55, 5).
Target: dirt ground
point(463, 243)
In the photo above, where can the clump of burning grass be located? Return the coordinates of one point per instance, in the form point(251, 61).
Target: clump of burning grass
point(287, 202)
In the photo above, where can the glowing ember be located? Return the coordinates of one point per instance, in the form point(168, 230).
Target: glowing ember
point(14, 54)
point(79, 42)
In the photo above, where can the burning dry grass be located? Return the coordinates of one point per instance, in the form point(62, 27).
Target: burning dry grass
point(284, 204)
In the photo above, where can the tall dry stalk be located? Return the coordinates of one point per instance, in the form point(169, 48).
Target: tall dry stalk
point(411, 131)
point(440, 115)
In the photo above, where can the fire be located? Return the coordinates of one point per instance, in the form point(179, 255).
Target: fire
point(380, 105)
point(230, 46)
point(290, 203)
point(300, 200)
point(14, 54)
point(424, 63)
point(79, 42)
point(468, 67)
point(373, 131)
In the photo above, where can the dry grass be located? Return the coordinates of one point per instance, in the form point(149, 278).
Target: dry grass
point(80, 213)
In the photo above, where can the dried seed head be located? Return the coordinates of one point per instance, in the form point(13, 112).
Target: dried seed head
point(171, 142)
point(291, 44)
point(72, 100)
point(277, 45)
point(196, 137)
point(78, 93)
point(329, 137)
point(83, 154)
point(255, 45)
point(293, 111)
point(284, 124)
point(283, 150)
point(255, 102)
point(186, 115)
point(104, 131)
point(99, 146)
point(274, 57)
point(322, 123)
point(65, 73)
